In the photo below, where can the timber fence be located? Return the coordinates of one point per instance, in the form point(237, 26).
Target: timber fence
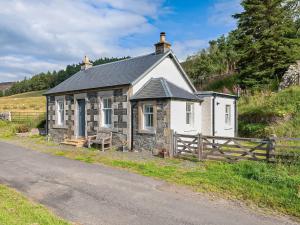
point(30, 118)
point(233, 149)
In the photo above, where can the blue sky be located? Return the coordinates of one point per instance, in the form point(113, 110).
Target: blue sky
point(41, 35)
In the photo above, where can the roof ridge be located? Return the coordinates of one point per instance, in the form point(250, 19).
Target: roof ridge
point(169, 82)
point(166, 87)
point(122, 60)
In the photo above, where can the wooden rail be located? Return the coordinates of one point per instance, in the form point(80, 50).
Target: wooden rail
point(235, 148)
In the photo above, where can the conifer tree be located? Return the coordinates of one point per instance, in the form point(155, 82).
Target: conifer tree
point(266, 42)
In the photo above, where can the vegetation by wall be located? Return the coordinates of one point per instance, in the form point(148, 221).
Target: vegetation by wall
point(265, 113)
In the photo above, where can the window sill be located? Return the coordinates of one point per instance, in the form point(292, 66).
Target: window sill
point(147, 131)
point(60, 127)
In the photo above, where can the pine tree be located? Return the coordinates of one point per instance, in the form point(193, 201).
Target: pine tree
point(266, 42)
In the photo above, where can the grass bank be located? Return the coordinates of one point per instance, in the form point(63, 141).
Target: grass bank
point(270, 186)
point(17, 210)
point(266, 113)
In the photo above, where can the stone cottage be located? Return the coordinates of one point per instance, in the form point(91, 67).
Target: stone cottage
point(140, 100)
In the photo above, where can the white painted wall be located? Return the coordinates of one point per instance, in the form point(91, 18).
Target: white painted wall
point(221, 129)
point(207, 116)
point(168, 70)
point(178, 118)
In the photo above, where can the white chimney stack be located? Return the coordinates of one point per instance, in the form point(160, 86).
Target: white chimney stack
point(162, 46)
point(86, 63)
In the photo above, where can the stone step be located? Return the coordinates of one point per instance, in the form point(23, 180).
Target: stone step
point(74, 142)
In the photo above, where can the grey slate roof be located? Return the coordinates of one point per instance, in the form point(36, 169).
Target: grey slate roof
point(157, 88)
point(122, 72)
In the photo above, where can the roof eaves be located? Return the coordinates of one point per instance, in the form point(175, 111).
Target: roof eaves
point(212, 93)
point(172, 98)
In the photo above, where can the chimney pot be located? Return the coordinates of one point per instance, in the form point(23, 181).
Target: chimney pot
point(162, 37)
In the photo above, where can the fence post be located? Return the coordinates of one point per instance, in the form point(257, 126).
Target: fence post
point(271, 149)
point(171, 151)
point(200, 146)
point(175, 144)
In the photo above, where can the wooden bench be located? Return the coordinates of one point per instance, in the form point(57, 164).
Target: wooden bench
point(102, 139)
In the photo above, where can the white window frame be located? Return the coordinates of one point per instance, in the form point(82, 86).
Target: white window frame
point(60, 113)
point(228, 115)
point(189, 113)
point(145, 127)
point(104, 109)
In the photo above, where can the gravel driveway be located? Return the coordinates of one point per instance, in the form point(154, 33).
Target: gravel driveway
point(95, 194)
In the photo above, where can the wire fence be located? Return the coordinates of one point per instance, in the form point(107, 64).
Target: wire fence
point(29, 118)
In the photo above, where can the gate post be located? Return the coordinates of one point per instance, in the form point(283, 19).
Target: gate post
point(175, 144)
point(271, 149)
point(171, 151)
point(200, 146)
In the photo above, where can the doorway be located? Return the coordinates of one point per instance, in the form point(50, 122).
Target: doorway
point(81, 117)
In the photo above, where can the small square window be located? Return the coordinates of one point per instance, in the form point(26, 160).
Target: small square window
point(148, 116)
point(107, 112)
point(60, 112)
point(189, 113)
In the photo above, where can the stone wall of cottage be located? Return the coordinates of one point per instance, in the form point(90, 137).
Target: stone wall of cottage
point(92, 113)
point(55, 133)
point(161, 139)
point(120, 104)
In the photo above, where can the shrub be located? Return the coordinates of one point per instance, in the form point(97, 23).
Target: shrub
point(23, 128)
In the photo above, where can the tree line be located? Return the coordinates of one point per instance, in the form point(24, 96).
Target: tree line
point(44, 81)
point(259, 51)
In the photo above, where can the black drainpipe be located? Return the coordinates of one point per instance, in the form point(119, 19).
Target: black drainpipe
point(47, 115)
point(236, 118)
point(213, 113)
point(132, 104)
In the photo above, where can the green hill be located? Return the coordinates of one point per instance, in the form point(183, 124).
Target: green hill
point(267, 113)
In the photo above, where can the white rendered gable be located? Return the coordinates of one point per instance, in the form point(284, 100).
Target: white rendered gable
point(167, 69)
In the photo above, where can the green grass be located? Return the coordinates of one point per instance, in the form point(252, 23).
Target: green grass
point(266, 113)
point(270, 186)
point(7, 129)
point(28, 94)
point(17, 210)
point(25, 102)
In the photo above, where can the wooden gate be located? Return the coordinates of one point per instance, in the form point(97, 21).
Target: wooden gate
point(235, 148)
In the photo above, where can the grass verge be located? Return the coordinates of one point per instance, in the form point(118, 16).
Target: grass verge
point(269, 186)
point(17, 210)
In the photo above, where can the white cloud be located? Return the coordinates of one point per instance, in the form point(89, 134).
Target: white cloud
point(41, 35)
point(188, 47)
point(222, 11)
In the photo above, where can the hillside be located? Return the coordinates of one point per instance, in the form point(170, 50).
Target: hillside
point(267, 113)
point(6, 85)
point(25, 102)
